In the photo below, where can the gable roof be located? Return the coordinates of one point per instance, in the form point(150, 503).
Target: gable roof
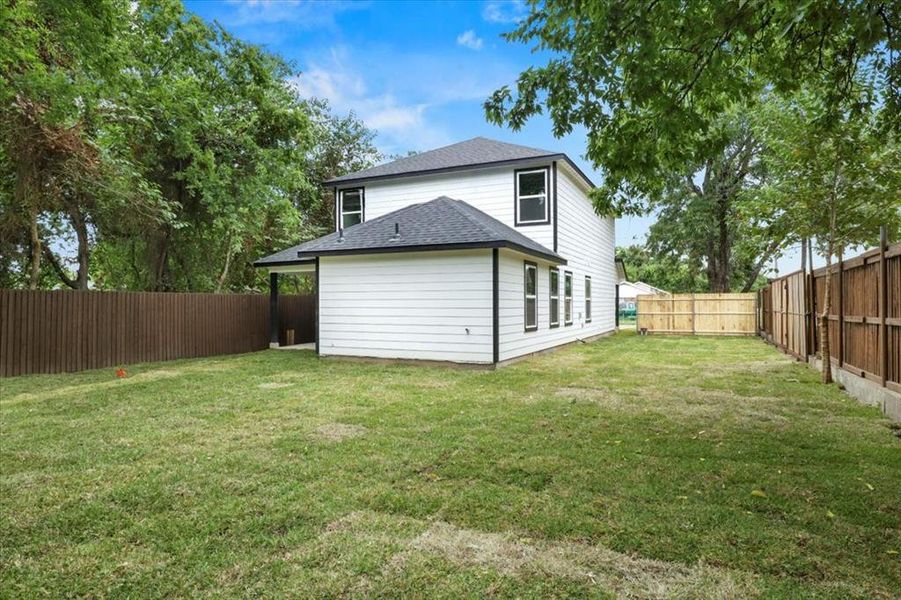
point(474, 153)
point(440, 224)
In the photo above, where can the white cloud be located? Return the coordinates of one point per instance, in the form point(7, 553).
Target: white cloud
point(305, 14)
point(408, 97)
point(505, 11)
point(470, 40)
point(402, 126)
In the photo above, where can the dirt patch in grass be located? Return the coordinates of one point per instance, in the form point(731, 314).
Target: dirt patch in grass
point(337, 432)
point(624, 575)
point(273, 385)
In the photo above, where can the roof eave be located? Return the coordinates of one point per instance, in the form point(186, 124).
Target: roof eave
point(262, 263)
point(484, 165)
point(548, 256)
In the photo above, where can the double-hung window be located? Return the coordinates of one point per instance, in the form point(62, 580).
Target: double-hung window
point(530, 287)
point(532, 196)
point(587, 299)
point(555, 296)
point(567, 298)
point(350, 207)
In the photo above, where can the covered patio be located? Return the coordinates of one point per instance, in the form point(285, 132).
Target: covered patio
point(288, 328)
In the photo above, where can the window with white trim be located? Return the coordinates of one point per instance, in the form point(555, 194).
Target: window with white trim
point(555, 296)
point(350, 207)
point(532, 205)
point(530, 288)
point(567, 298)
point(587, 299)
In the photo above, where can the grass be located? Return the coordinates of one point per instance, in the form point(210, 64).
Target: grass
point(642, 466)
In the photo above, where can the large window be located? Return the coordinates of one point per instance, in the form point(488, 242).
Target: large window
point(350, 207)
point(532, 204)
point(555, 296)
point(567, 298)
point(531, 295)
point(587, 299)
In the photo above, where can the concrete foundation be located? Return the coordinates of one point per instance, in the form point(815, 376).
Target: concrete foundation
point(866, 391)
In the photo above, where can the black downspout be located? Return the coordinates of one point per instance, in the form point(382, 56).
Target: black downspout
point(554, 169)
point(273, 310)
point(316, 316)
point(495, 305)
point(616, 307)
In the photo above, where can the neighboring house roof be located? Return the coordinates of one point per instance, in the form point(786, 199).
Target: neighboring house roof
point(440, 224)
point(629, 289)
point(474, 153)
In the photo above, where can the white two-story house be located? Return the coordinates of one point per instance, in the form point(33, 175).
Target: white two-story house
point(478, 252)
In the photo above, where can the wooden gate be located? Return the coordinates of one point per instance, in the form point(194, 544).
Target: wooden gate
point(699, 314)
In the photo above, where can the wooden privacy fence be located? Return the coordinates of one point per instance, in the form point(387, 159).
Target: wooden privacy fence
point(701, 314)
point(864, 323)
point(61, 331)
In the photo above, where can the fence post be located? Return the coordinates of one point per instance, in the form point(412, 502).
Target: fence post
point(883, 305)
point(692, 313)
point(813, 306)
point(806, 300)
point(840, 347)
point(785, 315)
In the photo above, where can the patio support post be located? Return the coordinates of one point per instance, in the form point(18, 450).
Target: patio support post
point(273, 310)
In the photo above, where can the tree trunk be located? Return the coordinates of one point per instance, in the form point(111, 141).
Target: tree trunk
point(224, 274)
point(84, 250)
point(824, 324)
point(34, 275)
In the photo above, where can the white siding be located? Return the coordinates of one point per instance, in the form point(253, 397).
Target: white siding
point(414, 306)
point(489, 190)
point(587, 242)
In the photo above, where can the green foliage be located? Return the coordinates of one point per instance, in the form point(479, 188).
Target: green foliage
point(648, 81)
point(834, 178)
point(671, 272)
point(169, 153)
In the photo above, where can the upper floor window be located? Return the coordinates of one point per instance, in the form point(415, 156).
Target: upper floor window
point(555, 296)
point(587, 299)
point(350, 207)
point(567, 298)
point(531, 296)
point(532, 196)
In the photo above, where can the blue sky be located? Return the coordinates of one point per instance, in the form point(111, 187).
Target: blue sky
point(417, 72)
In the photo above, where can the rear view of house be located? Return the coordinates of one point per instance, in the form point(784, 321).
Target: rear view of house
point(478, 252)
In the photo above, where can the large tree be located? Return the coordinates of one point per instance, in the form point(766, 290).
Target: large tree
point(143, 148)
point(61, 65)
point(648, 79)
point(699, 216)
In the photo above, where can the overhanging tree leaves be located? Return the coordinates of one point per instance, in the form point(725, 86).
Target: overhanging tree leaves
point(647, 79)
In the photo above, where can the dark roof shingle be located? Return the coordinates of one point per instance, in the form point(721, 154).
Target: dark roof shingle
point(442, 223)
point(474, 152)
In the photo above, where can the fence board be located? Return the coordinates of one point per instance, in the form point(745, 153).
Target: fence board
point(64, 330)
point(864, 333)
point(701, 314)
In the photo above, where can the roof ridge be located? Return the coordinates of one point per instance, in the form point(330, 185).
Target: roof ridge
point(456, 204)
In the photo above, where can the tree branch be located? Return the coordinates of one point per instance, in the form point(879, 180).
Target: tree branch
point(58, 268)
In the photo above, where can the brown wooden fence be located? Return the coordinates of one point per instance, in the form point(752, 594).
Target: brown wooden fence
point(700, 314)
point(61, 331)
point(865, 321)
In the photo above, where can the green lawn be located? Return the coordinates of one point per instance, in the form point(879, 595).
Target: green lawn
point(643, 466)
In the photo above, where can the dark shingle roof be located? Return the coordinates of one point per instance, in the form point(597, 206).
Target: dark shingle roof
point(441, 224)
point(474, 152)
